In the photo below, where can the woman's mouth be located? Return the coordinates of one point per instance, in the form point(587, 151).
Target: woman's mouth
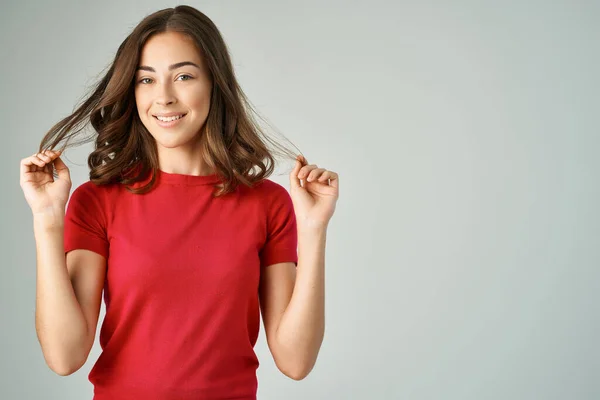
point(168, 122)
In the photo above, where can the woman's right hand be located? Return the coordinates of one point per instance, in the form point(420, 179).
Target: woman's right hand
point(43, 193)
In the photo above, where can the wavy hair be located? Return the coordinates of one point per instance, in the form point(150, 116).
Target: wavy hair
point(232, 141)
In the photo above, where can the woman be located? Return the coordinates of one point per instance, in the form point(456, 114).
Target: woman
point(179, 226)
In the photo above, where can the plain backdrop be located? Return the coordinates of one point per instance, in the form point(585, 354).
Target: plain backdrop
point(463, 258)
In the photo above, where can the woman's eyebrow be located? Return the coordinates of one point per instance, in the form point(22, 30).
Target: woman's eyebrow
point(171, 67)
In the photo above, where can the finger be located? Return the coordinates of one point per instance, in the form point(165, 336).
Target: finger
point(47, 163)
point(334, 179)
point(53, 153)
point(44, 157)
point(294, 181)
point(304, 171)
point(37, 161)
point(324, 176)
point(314, 174)
point(24, 167)
point(49, 156)
point(61, 169)
point(29, 165)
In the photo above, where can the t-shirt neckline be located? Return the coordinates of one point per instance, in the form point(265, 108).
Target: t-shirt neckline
point(187, 180)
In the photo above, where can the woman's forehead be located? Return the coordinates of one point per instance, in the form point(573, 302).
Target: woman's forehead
point(167, 48)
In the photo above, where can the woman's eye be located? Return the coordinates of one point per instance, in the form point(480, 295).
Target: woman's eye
point(180, 76)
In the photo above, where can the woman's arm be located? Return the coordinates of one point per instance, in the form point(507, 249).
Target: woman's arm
point(302, 326)
point(61, 324)
point(293, 305)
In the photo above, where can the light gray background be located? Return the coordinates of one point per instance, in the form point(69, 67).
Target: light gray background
point(462, 260)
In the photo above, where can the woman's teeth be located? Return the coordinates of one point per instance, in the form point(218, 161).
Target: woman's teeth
point(165, 119)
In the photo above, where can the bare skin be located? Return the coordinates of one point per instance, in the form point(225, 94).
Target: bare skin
point(43, 193)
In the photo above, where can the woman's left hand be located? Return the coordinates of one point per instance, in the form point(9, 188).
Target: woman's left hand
point(314, 203)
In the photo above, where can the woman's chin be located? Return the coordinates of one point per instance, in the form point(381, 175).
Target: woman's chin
point(171, 141)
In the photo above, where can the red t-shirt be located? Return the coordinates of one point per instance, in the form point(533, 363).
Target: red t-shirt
point(181, 289)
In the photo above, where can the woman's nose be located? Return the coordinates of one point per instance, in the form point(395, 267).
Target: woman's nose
point(163, 101)
point(165, 95)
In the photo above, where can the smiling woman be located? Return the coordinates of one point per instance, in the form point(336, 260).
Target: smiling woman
point(173, 99)
point(178, 226)
point(173, 64)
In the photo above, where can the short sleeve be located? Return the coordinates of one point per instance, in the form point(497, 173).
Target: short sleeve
point(85, 226)
point(282, 237)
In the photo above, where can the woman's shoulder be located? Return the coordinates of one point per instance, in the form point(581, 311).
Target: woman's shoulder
point(93, 187)
point(273, 194)
point(92, 191)
point(270, 187)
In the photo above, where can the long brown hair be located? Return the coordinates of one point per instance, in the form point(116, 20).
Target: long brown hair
point(232, 141)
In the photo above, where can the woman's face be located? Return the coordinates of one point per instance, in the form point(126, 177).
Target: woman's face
point(172, 78)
